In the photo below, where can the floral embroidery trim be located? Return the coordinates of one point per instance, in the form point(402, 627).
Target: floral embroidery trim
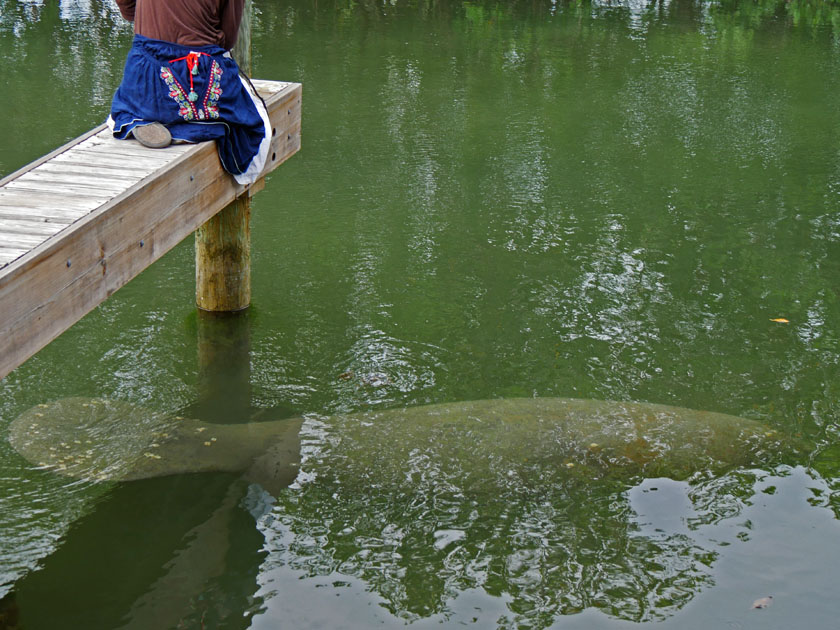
point(186, 108)
point(214, 91)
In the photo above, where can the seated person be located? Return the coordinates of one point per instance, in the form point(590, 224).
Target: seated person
point(181, 83)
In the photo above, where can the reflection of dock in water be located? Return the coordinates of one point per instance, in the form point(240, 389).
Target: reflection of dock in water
point(187, 555)
point(79, 223)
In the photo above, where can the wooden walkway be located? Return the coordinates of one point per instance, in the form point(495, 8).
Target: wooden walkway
point(81, 222)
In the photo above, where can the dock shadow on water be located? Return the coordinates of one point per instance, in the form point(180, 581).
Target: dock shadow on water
point(527, 502)
point(185, 553)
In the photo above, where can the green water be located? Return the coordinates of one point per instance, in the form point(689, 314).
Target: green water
point(493, 200)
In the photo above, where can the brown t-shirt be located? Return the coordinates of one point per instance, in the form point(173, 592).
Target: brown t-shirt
point(186, 22)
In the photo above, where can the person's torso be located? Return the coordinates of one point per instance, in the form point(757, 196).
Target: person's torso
point(185, 22)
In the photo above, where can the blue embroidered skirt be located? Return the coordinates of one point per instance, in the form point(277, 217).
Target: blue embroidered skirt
point(198, 94)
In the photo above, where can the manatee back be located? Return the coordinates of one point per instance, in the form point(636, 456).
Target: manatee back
point(109, 439)
point(606, 438)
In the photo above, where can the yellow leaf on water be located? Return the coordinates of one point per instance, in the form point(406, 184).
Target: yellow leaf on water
point(780, 320)
point(763, 602)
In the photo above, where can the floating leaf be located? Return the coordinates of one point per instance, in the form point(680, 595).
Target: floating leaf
point(763, 602)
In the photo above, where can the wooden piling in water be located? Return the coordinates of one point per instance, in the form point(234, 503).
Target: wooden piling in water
point(223, 259)
point(223, 244)
point(224, 367)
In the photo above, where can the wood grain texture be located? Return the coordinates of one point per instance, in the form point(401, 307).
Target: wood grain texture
point(122, 173)
point(45, 289)
point(223, 244)
point(15, 213)
point(46, 198)
point(29, 226)
point(8, 255)
point(223, 259)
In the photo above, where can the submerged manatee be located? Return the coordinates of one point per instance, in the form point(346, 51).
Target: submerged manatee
point(526, 501)
point(106, 439)
point(524, 498)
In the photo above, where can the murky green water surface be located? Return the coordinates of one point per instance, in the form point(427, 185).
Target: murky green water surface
point(604, 201)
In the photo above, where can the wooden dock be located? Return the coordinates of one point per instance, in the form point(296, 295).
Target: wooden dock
point(81, 222)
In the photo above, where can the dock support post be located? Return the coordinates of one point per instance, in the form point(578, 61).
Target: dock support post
point(223, 259)
point(223, 244)
point(242, 50)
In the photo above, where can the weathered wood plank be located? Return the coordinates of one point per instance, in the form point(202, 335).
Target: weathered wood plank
point(31, 214)
point(10, 255)
point(124, 173)
point(46, 199)
point(45, 212)
point(266, 88)
point(19, 241)
point(46, 180)
point(70, 179)
point(95, 159)
point(129, 153)
point(131, 148)
point(73, 143)
point(24, 226)
point(47, 289)
point(64, 191)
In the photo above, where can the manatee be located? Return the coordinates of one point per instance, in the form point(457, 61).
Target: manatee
point(529, 501)
point(97, 439)
point(521, 498)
